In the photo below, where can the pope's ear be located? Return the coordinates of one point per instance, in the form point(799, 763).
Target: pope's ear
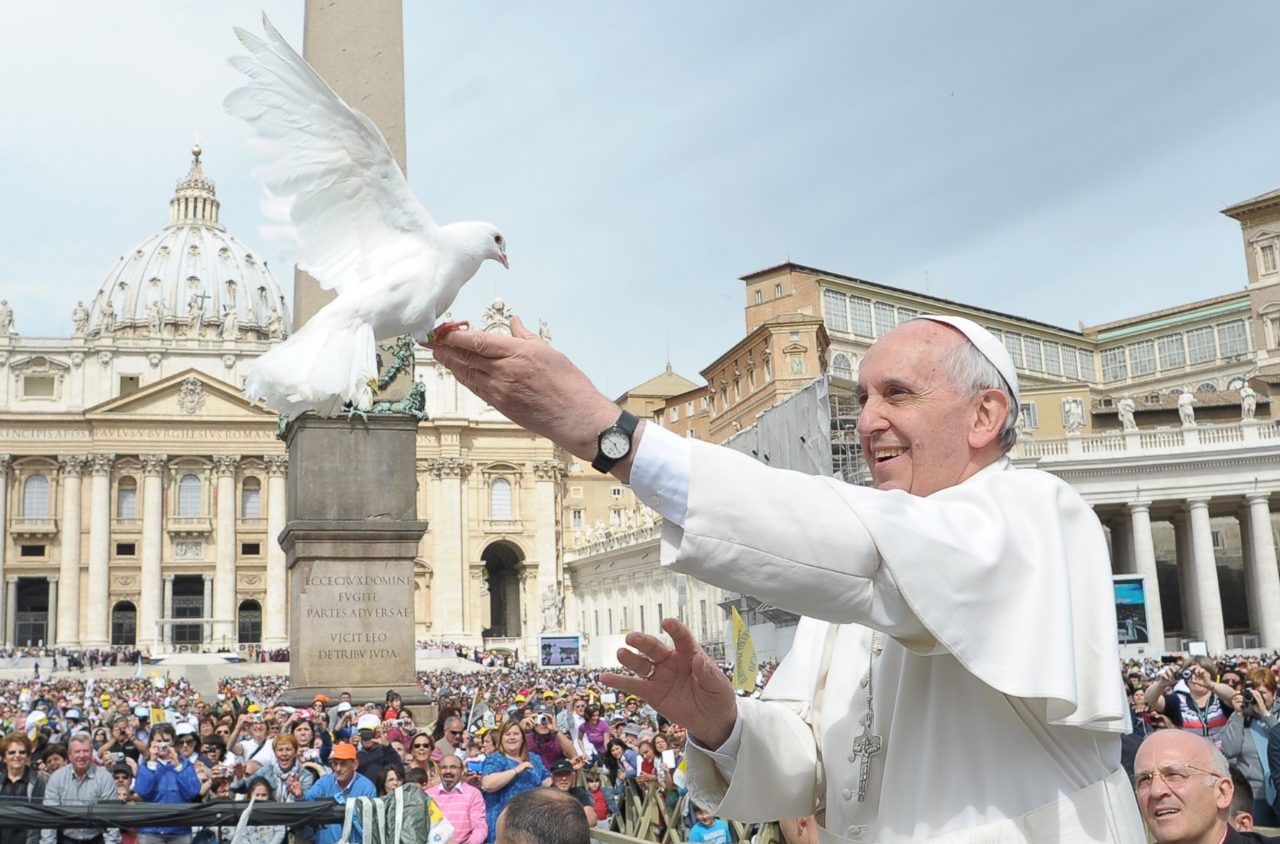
point(989, 416)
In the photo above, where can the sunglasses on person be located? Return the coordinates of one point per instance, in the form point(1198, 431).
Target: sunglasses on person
point(421, 745)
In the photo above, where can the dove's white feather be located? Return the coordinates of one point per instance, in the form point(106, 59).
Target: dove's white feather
point(358, 229)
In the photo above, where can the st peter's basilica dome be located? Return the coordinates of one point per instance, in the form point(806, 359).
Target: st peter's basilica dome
point(189, 280)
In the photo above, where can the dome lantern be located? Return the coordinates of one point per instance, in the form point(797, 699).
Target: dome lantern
point(194, 203)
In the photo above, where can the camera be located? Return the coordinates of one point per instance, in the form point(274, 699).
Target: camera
point(544, 720)
point(1248, 694)
point(257, 718)
point(397, 722)
point(1185, 673)
point(162, 747)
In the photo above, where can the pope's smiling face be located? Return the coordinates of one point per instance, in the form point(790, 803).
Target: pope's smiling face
point(920, 430)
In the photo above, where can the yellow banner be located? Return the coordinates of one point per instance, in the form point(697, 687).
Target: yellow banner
point(744, 655)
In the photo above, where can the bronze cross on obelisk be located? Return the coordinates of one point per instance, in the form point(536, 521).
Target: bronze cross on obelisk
point(865, 746)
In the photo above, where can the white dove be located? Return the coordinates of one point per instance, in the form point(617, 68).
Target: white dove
point(360, 231)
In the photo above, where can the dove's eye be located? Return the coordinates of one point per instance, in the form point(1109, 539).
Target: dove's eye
point(497, 238)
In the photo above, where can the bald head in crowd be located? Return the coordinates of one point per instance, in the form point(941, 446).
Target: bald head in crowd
point(1184, 788)
point(543, 816)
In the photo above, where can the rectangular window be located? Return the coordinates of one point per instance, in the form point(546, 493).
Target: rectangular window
point(575, 517)
point(575, 492)
point(1200, 345)
point(905, 314)
point(1142, 357)
point(624, 620)
point(615, 491)
point(126, 549)
point(702, 608)
point(31, 551)
point(1035, 359)
point(1070, 363)
point(759, 296)
point(128, 384)
point(835, 310)
point(1030, 416)
point(1268, 255)
point(688, 408)
point(610, 614)
point(126, 501)
point(777, 290)
point(660, 615)
point(642, 618)
point(1232, 339)
point(1114, 364)
point(1087, 369)
point(596, 613)
point(1173, 354)
point(886, 319)
point(675, 414)
point(250, 500)
point(860, 316)
point(1013, 342)
point(1052, 358)
point(38, 386)
point(250, 549)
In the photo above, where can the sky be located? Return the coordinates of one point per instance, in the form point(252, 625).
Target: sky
point(1060, 161)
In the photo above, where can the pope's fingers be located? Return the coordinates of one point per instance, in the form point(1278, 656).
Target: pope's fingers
point(625, 684)
point(650, 646)
point(681, 636)
point(483, 343)
point(635, 662)
point(519, 331)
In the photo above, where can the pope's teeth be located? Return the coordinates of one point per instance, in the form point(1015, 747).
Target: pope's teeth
point(886, 453)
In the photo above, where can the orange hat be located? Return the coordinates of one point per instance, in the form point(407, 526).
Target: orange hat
point(343, 750)
point(321, 698)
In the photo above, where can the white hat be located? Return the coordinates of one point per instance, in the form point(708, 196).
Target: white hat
point(184, 728)
point(986, 342)
point(368, 721)
point(345, 706)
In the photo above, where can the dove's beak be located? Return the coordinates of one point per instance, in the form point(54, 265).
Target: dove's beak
point(503, 259)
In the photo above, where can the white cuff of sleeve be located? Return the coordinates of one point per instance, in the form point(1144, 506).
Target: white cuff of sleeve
point(660, 472)
point(726, 755)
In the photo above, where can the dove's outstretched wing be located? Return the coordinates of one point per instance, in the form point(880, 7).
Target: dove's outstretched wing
point(348, 199)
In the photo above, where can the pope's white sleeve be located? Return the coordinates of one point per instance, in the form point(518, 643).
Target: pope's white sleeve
point(660, 472)
point(775, 746)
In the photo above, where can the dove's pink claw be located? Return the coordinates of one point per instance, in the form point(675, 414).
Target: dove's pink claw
point(444, 329)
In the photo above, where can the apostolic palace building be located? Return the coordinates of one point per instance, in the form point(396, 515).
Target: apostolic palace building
point(141, 495)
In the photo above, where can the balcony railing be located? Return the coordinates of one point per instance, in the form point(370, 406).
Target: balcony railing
point(1146, 442)
point(33, 527)
point(189, 526)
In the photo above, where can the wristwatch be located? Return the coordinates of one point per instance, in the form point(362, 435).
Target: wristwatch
point(614, 442)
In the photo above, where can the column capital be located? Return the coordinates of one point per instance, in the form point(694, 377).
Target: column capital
point(1138, 507)
point(53, 578)
point(100, 464)
point(277, 465)
point(11, 579)
point(207, 577)
point(169, 577)
point(153, 464)
point(225, 464)
point(73, 464)
point(1254, 497)
point(448, 467)
point(1193, 503)
point(548, 470)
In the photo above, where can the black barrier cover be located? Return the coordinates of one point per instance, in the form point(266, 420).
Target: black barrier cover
point(18, 814)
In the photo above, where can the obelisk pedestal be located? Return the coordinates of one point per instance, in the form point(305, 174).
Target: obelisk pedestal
point(351, 535)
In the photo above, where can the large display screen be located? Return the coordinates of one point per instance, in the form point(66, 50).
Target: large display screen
point(1131, 609)
point(561, 651)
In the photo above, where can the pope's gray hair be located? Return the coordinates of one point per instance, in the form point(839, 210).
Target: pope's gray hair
point(972, 371)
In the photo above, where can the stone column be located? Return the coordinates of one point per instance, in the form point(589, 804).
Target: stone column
point(1186, 574)
point(149, 594)
point(51, 630)
point(97, 632)
point(546, 475)
point(5, 615)
point(276, 611)
point(1144, 553)
point(68, 611)
point(1208, 596)
point(10, 610)
point(1122, 550)
point(165, 636)
point(449, 475)
point(224, 568)
point(1264, 579)
point(208, 627)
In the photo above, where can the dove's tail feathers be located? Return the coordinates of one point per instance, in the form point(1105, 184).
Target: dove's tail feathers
point(319, 368)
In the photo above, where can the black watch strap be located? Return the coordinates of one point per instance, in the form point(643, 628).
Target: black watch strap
point(626, 423)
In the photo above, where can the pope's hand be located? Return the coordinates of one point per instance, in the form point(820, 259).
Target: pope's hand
point(682, 683)
point(530, 383)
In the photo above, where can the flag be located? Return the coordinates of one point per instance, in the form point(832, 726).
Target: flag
point(744, 655)
point(441, 829)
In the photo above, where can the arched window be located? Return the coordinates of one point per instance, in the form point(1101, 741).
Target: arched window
point(500, 500)
point(189, 495)
point(251, 499)
point(35, 497)
point(127, 498)
point(249, 628)
point(124, 624)
point(841, 367)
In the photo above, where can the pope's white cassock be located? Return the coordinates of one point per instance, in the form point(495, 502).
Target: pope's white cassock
point(995, 690)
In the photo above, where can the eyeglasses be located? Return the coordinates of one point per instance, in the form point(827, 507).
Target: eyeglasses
point(456, 732)
point(421, 745)
point(1173, 776)
point(17, 751)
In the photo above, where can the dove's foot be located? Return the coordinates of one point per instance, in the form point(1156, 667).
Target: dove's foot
point(354, 411)
point(444, 329)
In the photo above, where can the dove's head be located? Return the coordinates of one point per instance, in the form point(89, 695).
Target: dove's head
point(482, 240)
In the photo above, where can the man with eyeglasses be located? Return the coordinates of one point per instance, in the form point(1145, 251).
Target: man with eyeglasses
point(462, 804)
point(454, 742)
point(80, 784)
point(1185, 790)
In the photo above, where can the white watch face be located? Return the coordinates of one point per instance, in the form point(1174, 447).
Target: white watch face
point(615, 445)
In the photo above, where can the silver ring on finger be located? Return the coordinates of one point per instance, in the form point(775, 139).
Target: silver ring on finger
point(653, 667)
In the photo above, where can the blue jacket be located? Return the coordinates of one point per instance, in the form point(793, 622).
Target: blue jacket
point(327, 788)
point(159, 782)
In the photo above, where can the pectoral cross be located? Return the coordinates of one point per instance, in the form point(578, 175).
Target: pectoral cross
point(864, 747)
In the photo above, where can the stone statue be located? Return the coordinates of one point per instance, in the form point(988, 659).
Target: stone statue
point(414, 404)
point(1185, 411)
point(544, 330)
point(6, 318)
point(1073, 415)
point(195, 315)
point(155, 318)
point(80, 319)
point(597, 532)
point(107, 318)
point(1126, 407)
point(230, 323)
point(551, 609)
point(275, 326)
point(1248, 403)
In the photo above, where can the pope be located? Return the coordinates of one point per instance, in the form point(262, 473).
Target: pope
point(954, 678)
